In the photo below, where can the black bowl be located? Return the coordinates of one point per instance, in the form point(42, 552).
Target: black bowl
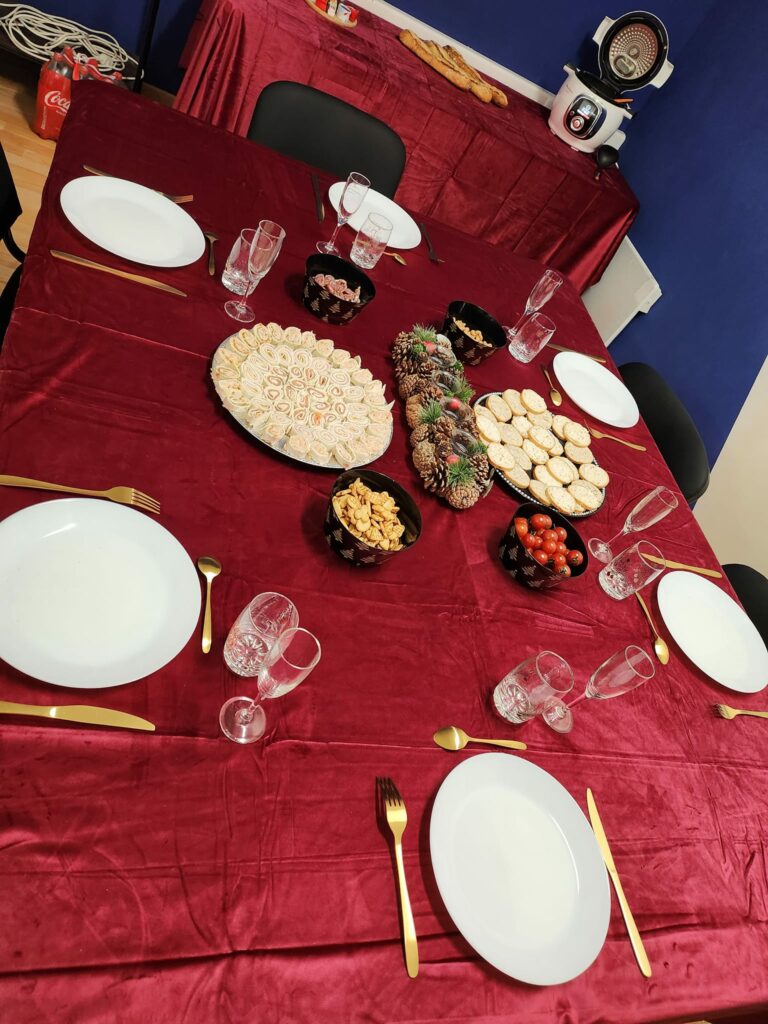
point(476, 319)
point(352, 548)
point(519, 561)
point(325, 306)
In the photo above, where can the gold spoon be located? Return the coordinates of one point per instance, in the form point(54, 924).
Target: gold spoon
point(451, 737)
point(554, 394)
point(610, 437)
point(659, 645)
point(211, 259)
point(396, 257)
point(210, 568)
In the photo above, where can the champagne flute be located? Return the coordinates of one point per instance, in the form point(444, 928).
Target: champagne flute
point(623, 671)
point(350, 201)
point(647, 512)
point(265, 248)
point(540, 295)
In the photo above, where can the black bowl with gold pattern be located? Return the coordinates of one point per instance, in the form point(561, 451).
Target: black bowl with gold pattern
point(327, 307)
point(352, 548)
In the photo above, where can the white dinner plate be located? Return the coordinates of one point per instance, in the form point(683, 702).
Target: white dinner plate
point(92, 593)
point(132, 221)
point(714, 631)
point(405, 230)
point(519, 869)
point(596, 390)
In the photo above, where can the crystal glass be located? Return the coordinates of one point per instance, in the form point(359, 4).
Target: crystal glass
point(350, 202)
point(535, 687)
point(255, 631)
point(531, 337)
point(288, 663)
point(647, 512)
point(264, 250)
point(540, 295)
point(622, 672)
point(371, 241)
point(235, 276)
point(630, 570)
point(242, 720)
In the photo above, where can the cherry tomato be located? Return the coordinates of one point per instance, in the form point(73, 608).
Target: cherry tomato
point(542, 557)
point(561, 532)
point(564, 570)
point(561, 548)
point(549, 546)
point(521, 526)
point(559, 560)
point(528, 541)
point(540, 521)
point(575, 558)
point(537, 541)
point(550, 535)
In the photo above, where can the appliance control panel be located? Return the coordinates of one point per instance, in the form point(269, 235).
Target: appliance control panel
point(583, 117)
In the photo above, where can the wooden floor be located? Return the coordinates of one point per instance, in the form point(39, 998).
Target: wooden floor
point(28, 155)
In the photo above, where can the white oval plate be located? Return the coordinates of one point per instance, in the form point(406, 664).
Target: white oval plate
point(92, 593)
point(405, 230)
point(132, 221)
point(715, 632)
point(596, 390)
point(519, 869)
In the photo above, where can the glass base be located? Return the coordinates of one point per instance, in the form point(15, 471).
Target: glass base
point(239, 311)
point(600, 549)
point(328, 248)
point(242, 720)
point(557, 715)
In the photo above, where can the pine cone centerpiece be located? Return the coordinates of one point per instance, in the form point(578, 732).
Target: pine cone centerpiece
point(424, 457)
point(461, 489)
point(479, 461)
point(426, 420)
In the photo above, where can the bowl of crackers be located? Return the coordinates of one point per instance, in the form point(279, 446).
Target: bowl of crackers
point(473, 333)
point(370, 518)
point(522, 562)
point(540, 456)
point(335, 290)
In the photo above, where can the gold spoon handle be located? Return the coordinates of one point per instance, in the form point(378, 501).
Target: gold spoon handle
point(509, 744)
point(207, 617)
point(619, 440)
point(644, 606)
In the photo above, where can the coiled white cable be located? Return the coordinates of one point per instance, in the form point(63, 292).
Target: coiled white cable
point(38, 35)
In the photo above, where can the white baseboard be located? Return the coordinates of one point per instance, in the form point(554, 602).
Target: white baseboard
point(483, 64)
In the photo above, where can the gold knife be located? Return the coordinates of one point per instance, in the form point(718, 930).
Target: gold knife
point(81, 262)
point(173, 199)
point(559, 348)
point(78, 713)
point(634, 935)
point(669, 564)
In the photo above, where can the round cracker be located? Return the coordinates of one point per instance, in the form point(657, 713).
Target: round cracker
point(488, 429)
point(577, 434)
point(543, 475)
point(539, 492)
point(532, 400)
point(578, 454)
point(558, 449)
point(522, 424)
point(543, 438)
point(482, 410)
point(594, 475)
point(521, 459)
point(562, 500)
point(510, 434)
point(512, 398)
point(535, 453)
point(517, 476)
point(562, 470)
point(558, 425)
point(586, 494)
point(541, 419)
point(500, 456)
point(499, 408)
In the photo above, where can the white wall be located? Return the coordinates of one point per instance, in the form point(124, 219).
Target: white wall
point(733, 512)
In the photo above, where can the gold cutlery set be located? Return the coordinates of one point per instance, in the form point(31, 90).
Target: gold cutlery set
point(727, 712)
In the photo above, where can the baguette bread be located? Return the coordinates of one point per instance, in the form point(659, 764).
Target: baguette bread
point(448, 62)
point(498, 97)
point(422, 49)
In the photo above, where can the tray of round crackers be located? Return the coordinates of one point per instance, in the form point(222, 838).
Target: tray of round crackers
point(303, 397)
point(540, 455)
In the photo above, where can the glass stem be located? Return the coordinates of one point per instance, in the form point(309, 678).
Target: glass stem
point(577, 701)
point(339, 225)
point(522, 320)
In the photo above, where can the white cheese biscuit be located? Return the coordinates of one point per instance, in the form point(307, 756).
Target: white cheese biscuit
point(521, 458)
point(539, 492)
point(586, 494)
point(578, 454)
point(483, 410)
point(522, 424)
point(517, 476)
point(562, 500)
point(488, 429)
point(535, 453)
point(594, 474)
point(510, 435)
point(532, 400)
point(541, 419)
point(499, 408)
point(543, 438)
point(542, 474)
point(500, 456)
point(562, 470)
point(576, 434)
point(512, 398)
point(558, 449)
point(558, 425)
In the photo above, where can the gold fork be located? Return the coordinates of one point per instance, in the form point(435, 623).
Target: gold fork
point(123, 495)
point(727, 712)
point(611, 437)
point(174, 199)
point(397, 819)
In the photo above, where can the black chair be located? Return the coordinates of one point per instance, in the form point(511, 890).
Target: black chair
point(10, 210)
point(752, 590)
point(328, 133)
point(672, 428)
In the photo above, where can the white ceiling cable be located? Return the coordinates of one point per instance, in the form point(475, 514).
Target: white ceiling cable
point(38, 35)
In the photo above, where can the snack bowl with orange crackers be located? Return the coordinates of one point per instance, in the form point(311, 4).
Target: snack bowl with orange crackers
point(370, 518)
point(541, 549)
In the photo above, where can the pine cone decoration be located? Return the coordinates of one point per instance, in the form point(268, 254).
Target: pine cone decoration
point(424, 456)
point(413, 407)
point(462, 495)
point(412, 384)
point(423, 432)
point(435, 477)
point(482, 468)
point(402, 344)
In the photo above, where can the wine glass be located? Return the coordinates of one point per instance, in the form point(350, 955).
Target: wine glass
point(647, 512)
point(288, 663)
point(350, 202)
point(623, 671)
point(536, 686)
point(265, 248)
point(242, 720)
point(540, 295)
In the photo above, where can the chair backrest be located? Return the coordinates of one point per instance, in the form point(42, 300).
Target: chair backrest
point(10, 207)
point(672, 428)
point(752, 590)
point(328, 133)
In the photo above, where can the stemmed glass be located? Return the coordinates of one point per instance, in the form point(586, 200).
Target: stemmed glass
point(647, 512)
point(540, 295)
point(265, 248)
point(623, 671)
point(536, 686)
point(350, 201)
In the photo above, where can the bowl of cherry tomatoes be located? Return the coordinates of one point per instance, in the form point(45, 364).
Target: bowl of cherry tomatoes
point(541, 548)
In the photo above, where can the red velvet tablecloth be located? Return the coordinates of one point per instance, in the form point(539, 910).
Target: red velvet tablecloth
point(179, 877)
point(497, 174)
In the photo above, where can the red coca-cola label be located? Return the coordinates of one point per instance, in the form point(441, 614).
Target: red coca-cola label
point(56, 100)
